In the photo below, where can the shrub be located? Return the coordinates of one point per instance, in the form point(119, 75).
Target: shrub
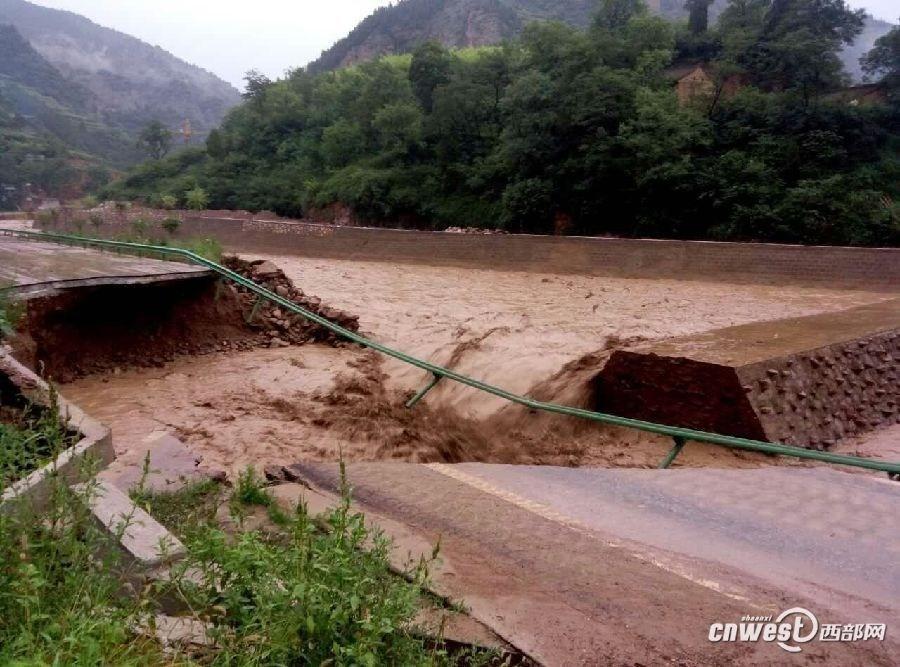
point(171, 225)
point(11, 313)
point(294, 595)
point(168, 202)
point(89, 202)
point(30, 438)
point(140, 227)
point(197, 199)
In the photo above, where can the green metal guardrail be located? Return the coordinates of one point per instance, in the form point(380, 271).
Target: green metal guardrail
point(680, 435)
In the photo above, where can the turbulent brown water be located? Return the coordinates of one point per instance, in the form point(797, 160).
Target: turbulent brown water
point(541, 334)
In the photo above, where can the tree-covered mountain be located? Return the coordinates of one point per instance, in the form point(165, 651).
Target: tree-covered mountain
point(400, 27)
point(457, 23)
point(131, 81)
point(579, 131)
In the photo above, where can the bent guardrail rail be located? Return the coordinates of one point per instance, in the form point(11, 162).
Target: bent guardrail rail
point(680, 435)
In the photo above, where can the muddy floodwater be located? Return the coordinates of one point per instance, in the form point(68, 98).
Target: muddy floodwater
point(542, 334)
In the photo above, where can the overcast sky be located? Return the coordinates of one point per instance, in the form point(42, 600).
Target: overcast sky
point(229, 37)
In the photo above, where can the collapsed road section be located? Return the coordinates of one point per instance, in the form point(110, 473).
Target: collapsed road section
point(86, 311)
point(805, 381)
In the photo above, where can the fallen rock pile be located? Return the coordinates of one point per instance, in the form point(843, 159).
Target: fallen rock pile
point(282, 327)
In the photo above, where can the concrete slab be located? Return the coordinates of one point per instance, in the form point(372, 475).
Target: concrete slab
point(31, 268)
point(172, 466)
point(625, 567)
point(141, 536)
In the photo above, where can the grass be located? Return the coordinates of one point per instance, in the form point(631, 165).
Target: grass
point(30, 437)
point(61, 602)
point(11, 312)
point(295, 595)
point(207, 248)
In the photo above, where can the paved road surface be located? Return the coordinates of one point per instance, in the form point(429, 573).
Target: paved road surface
point(35, 269)
point(588, 566)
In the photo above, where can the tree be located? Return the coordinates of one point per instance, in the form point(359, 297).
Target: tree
point(698, 15)
point(196, 199)
point(342, 143)
point(256, 84)
point(791, 44)
point(430, 68)
point(615, 14)
point(398, 127)
point(215, 145)
point(155, 140)
point(883, 61)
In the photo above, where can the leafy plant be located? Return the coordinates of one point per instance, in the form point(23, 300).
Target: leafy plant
point(30, 437)
point(299, 595)
point(171, 225)
point(168, 202)
point(197, 199)
point(89, 202)
point(11, 312)
point(140, 227)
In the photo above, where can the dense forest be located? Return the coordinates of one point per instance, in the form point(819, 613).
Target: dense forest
point(581, 131)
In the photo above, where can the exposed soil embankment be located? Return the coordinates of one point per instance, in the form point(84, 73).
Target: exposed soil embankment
point(106, 329)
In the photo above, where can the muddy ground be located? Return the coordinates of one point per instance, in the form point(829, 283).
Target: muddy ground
point(542, 334)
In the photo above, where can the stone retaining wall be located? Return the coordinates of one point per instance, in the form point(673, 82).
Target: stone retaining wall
point(761, 381)
point(837, 267)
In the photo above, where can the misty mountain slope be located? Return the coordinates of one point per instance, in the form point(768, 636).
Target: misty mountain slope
point(400, 27)
point(37, 100)
point(131, 81)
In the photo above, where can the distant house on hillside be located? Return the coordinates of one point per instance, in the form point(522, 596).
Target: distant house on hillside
point(695, 81)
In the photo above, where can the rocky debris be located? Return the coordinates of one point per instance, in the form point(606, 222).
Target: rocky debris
point(473, 230)
point(283, 328)
point(176, 634)
point(274, 474)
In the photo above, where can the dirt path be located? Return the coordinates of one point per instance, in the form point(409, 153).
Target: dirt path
point(512, 329)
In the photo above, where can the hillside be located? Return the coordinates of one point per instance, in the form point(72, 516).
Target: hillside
point(398, 28)
point(51, 134)
point(458, 23)
point(130, 80)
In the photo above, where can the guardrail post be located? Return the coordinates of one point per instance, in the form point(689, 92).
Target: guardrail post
point(255, 309)
point(418, 397)
point(673, 453)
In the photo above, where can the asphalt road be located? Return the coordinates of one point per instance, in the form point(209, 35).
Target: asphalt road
point(31, 268)
point(589, 566)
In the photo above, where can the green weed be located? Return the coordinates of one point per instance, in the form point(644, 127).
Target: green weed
point(11, 313)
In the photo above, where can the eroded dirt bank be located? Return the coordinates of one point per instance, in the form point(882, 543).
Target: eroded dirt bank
point(531, 333)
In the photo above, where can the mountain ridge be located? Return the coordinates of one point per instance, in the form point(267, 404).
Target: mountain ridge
point(134, 82)
point(400, 27)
